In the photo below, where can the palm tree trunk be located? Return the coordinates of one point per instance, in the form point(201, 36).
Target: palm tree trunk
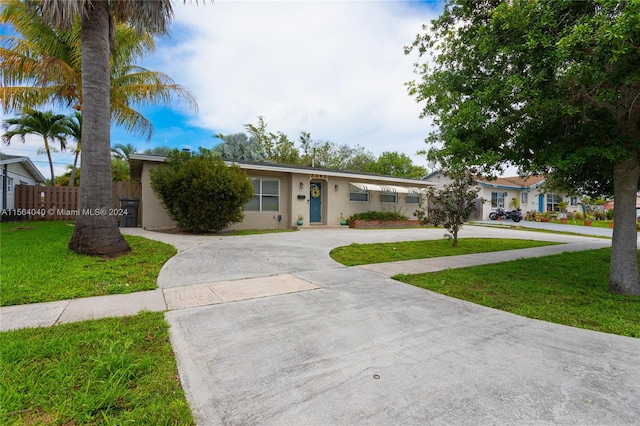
point(96, 232)
point(623, 276)
point(74, 168)
point(46, 148)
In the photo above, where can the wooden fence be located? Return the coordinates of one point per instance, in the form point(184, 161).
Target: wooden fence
point(61, 202)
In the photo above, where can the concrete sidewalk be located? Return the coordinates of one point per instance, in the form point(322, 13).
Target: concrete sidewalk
point(119, 305)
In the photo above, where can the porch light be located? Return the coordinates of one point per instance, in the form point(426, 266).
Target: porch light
point(336, 187)
point(301, 185)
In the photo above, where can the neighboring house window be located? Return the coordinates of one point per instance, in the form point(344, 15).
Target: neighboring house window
point(552, 202)
point(524, 198)
point(266, 195)
point(497, 199)
point(388, 197)
point(412, 198)
point(9, 184)
point(357, 194)
point(573, 201)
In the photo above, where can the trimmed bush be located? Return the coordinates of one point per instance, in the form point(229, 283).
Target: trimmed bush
point(200, 192)
point(371, 215)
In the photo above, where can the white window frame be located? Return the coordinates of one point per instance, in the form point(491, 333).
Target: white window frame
point(524, 198)
point(261, 194)
point(412, 196)
point(357, 191)
point(495, 199)
point(391, 197)
point(573, 201)
point(553, 200)
point(9, 184)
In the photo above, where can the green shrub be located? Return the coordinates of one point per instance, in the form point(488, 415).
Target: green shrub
point(371, 215)
point(579, 216)
point(609, 214)
point(200, 192)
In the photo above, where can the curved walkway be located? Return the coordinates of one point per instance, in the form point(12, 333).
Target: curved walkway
point(338, 345)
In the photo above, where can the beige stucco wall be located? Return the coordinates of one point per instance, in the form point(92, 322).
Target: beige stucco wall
point(335, 199)
point(269, 220)
point(154, 216)
point(294, 200)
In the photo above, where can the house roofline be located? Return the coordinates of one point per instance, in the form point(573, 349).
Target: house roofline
point(494, 185)
point(28, 164)
point(273, 167)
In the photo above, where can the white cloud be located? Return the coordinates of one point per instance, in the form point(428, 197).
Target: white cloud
point(335, 69)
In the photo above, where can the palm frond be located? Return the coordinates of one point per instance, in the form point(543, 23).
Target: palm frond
point(62, 13)
point(131, 120)
point(144, 15)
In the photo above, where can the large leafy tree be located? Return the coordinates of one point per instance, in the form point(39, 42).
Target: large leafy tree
point(396, 164)
point(48, 125)
point(551, 86)
point(274, 147)
point(327, 154)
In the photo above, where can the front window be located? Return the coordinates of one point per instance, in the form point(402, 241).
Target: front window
point(524, 198)
point(497, 199)
point(357, 194)
point(266, 195)
point(9, 184)
point(573, 201)
point(388, 197)
point(412, 198)
point(552, 202)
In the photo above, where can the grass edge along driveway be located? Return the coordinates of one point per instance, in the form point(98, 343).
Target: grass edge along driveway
point(37, 266)
point(364, 254)
point(569, 288)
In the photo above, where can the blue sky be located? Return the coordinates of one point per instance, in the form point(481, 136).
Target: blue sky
point(335, 69)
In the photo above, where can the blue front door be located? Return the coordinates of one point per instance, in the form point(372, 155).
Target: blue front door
point(315, 204)
point(541, 203)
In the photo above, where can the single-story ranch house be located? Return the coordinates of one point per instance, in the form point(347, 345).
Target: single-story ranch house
point(283, 193)
point(504, 191)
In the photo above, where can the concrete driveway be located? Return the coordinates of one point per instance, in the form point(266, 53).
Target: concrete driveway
point(362, 348)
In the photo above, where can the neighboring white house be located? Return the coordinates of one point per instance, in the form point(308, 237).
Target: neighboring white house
point(504, 191)
point(16, 170)
point(283, 192)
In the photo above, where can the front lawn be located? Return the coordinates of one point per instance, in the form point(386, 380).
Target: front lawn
point(569, 288)
point(37, 266)
point(109, 371)
point(363, 254)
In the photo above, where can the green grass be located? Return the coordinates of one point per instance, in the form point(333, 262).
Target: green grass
point(37, 266)
point(594, 223)
point(569, 289)
point(363, 254)
point(109, 371)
